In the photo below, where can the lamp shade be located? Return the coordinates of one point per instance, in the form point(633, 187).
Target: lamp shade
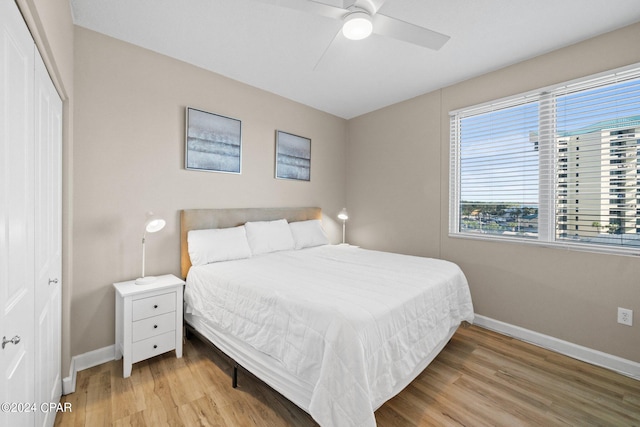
point(357, 26)
point(154, 224)
point(343, 215)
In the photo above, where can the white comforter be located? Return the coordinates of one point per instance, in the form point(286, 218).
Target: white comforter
point(352, 323)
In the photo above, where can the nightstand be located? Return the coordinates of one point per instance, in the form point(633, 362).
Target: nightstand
point(148, 320)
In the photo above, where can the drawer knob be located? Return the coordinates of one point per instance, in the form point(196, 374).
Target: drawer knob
point(155, 346)
point(155, 306)
point(155, 326)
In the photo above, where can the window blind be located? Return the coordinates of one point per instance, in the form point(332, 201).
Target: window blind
point(597, 136)
point(558, 165)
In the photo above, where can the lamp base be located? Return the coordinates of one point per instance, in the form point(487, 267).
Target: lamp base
point(147, 280)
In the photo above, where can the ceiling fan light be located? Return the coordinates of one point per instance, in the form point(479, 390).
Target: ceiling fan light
point(357, 26)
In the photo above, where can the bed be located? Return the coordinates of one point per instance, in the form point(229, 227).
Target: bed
point(336, 329)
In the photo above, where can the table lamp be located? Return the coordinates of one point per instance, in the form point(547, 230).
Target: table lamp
point(152, 225)
point(344, 216)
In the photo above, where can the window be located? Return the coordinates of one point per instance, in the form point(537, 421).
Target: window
point(515, 166)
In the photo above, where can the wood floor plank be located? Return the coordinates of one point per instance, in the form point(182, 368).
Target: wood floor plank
point(125, 400)
point(481, 378)
point(202, 412)
point(133, 420)
point(98, 408)
point(78, 400)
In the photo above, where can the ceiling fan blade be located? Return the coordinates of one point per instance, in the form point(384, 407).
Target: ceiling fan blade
point(335, 39)
point(314, 7)
point(401, 30)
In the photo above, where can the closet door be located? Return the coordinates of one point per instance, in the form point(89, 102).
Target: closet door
point(48, 245)
point(16, 215)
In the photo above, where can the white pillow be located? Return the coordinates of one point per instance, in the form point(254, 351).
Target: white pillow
point(219, 244)
point(269, 236)
point(309, 233)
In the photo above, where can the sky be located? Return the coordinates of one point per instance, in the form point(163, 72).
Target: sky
point(498, 155)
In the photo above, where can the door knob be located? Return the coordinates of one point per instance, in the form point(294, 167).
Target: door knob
point(14, 340)
point(53, 281)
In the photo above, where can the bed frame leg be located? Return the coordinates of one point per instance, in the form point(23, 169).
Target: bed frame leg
point(234, 380)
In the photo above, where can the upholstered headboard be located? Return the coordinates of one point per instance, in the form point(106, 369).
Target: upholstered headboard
point(199, 219)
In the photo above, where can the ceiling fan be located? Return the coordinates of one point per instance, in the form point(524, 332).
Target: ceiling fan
point(361, 18)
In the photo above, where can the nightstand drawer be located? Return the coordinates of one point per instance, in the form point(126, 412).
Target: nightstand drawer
point(153, 326)
point(153, 306)
point(153, 346)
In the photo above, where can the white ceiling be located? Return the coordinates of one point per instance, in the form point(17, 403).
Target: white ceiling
point(279, 49)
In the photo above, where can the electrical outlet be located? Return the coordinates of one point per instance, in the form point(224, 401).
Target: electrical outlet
point(625, 316)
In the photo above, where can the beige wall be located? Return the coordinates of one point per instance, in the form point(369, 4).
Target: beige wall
point(393, 178)
point(397, 194)
point(129, 159)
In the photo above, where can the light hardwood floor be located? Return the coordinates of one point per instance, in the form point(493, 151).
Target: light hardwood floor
point(481, 378)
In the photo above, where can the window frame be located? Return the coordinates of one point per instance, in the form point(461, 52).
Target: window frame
point(547, 203)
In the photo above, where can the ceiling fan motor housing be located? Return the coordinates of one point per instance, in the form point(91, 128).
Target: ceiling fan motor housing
point(357, 25)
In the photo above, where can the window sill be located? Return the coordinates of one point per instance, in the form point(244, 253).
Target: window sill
point(578, 247)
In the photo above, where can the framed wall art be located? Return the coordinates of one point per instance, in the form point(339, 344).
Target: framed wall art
point(213, 142)
point(293, 156)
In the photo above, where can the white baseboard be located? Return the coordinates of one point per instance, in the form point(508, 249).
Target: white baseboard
point(86, 361)
point(625, 367)
point(69, 383)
